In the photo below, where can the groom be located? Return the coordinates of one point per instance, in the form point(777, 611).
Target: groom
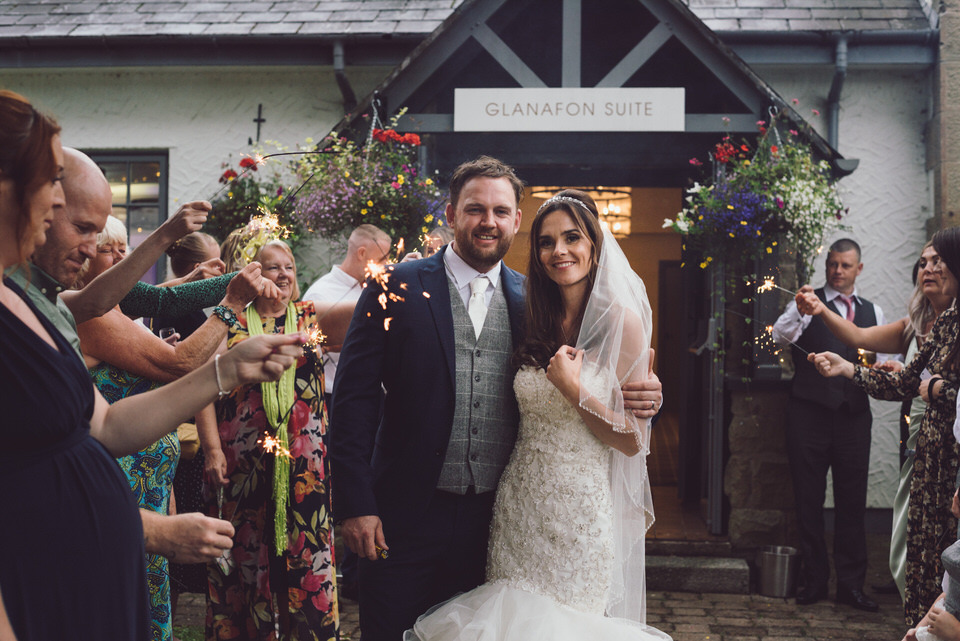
point(419, 480)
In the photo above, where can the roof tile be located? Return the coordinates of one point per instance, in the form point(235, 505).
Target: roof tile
point(285, 28)
point(228, 29)
point(268, 17)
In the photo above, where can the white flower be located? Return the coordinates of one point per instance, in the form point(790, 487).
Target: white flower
point(667, 223)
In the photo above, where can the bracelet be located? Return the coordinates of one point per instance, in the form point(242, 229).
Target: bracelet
point(216, 368)
point(931, 389)
point(227, 315)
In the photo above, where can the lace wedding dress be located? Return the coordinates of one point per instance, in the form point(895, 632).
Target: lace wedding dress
point(551, 552)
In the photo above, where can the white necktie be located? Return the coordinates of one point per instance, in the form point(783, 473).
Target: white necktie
point(477, 305)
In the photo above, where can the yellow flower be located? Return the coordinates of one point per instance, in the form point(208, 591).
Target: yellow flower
point(383, 216)
point(703, 265)
point(369, 203)
point(400, 178)
point(229, 194)
point(346, 174)
point(428, 181)
point(746, 163)
point(732, 235)
point(743, 222)
point(424, 229)
point(709, 259)
point(758, 233)
point(356, 183)
point(363, 211)
point(729, 206)
point(769, 250)
point(774, 243)
point(428, 218)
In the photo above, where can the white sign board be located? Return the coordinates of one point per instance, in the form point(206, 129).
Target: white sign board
point(569, 109)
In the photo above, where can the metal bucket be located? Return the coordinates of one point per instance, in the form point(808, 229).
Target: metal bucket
point(778, 570)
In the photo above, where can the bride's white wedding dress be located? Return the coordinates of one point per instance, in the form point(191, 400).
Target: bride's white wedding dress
point(551, 553)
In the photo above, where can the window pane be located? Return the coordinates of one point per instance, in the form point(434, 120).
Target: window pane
point(145, 182)
point(116, 173)
point(142, 221)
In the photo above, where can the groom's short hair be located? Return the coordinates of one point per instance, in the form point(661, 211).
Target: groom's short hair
point(483, 167)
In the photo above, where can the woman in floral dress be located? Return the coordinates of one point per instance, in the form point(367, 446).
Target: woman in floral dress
point(931, 527)
point(283, 554)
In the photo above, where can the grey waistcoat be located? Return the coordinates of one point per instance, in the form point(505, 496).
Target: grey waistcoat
point(485, 417)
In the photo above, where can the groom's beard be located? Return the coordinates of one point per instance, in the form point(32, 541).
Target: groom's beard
point(476, 256)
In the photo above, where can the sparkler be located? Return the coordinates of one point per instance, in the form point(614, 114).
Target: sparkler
point(768, 333)
point(770, 285)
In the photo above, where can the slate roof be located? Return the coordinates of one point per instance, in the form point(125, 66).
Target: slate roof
point(125, 18)
point(42, 19)
point(814, 15)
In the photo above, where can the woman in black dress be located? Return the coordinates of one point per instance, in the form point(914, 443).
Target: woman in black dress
point(71, 547)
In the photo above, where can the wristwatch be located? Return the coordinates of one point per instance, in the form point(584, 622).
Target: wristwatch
point(227, 315)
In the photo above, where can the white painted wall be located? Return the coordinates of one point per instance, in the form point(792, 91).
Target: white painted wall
point(882, 122)
point(202, 116)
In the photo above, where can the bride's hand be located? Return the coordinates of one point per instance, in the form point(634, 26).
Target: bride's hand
point(564, 372)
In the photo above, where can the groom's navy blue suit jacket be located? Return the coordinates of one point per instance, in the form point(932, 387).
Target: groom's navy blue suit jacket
point(388, 465)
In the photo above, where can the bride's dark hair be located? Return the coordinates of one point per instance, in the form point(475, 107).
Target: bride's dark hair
point(543, 335)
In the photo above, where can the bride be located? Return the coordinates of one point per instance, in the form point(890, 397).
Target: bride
point(566, 555)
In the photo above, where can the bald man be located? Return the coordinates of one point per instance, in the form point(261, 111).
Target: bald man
point(71, 239)
point(344, 282)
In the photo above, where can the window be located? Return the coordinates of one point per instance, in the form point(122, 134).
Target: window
point(138, 181)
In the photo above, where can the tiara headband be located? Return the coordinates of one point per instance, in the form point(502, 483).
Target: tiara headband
point(557, 199)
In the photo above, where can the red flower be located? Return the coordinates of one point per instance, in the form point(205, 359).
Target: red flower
point(228, 175)
point(724, 151)
point(248, 163)
point(695, 162)
point(411, 139)
point(774, 150)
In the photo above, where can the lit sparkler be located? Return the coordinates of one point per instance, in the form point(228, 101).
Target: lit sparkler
point(767, 337)
point(770, 285)
point(272, 446)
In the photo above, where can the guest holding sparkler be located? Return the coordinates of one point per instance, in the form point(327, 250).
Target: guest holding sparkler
point(56, 468)
point(904, 336)
point(124, 360)
point(828, 426)
point(268, 475)
point(931, 527)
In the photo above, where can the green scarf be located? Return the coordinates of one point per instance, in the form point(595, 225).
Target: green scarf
point(276, 396)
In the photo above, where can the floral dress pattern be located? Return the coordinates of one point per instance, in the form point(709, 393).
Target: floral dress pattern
point(241, 603)
point(930, 526)
point(150, 474)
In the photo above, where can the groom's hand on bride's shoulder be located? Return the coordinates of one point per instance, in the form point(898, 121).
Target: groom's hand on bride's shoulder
point(644, 398)
point(363, 535)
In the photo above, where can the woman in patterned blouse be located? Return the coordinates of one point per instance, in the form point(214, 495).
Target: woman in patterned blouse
point(930, 525)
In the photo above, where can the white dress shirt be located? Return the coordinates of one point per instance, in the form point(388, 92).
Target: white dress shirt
point(461, 274)
point(335, 287)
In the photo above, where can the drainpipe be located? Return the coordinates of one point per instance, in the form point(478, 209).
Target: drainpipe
point(349, 98)
point(844, 166)
point(836, 88)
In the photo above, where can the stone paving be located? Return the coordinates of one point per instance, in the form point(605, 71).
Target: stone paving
point(692, 616)
point(705, 617)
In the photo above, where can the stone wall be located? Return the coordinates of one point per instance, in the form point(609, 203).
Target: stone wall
point(943, 138)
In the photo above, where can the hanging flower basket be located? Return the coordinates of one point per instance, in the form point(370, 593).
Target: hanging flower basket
point(759, 197)
point(379, 183)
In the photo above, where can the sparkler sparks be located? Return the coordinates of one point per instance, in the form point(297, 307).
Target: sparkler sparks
point(273, 446)
point(769, 285)
point(766, 339)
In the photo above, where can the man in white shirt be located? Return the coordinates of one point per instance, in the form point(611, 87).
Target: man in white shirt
point(828, 428)
point(344, 282)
